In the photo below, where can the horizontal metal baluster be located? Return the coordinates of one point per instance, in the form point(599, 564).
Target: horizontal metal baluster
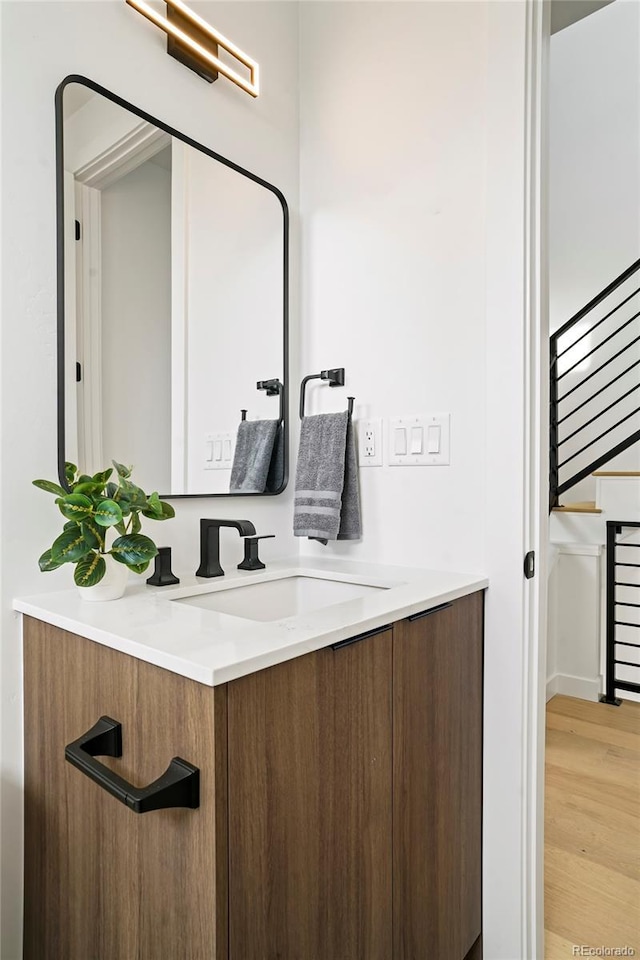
point(596, 325)
point(592, 397)
point(601, 367)
point(598, 462)
point(599, 437)
point(599, 345)
point(598, 415)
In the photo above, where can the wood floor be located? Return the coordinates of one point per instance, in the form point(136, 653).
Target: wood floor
point(592, 827)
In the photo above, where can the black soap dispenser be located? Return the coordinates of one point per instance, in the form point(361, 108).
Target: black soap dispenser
point(162, 575)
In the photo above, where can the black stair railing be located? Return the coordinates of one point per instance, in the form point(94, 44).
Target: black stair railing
point(623, 609)
point(594, 396)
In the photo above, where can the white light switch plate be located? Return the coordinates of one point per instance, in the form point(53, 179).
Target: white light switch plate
point(369, 434)
point(218, 451)
point(415, 424)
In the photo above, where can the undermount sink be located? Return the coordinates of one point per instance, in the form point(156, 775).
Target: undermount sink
point(277, 599)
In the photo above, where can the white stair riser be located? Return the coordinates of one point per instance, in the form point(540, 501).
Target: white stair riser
point(619, 497)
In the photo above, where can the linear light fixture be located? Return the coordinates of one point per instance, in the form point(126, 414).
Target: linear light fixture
point(198, 52)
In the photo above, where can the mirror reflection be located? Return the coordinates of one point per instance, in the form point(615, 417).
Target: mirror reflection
point(173, 312)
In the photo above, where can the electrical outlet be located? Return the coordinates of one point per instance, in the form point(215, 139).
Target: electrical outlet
point(369, 443)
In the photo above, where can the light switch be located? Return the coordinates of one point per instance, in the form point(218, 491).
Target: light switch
point(433, 439)
point(419, 441)
point(218, 451)
point(400, 446)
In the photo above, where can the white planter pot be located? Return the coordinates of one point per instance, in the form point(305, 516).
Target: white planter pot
point(112, 585)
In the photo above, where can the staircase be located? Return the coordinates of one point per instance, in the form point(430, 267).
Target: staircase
point(595, 512)
point(617, 497)
point(595, 387)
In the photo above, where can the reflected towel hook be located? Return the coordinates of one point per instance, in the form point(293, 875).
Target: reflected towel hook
point(334, 377)
point(273, 388)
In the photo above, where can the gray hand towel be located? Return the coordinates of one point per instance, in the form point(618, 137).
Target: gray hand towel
point(253, 455)
point(327, 501)
point(275, 479)
point(350, 523)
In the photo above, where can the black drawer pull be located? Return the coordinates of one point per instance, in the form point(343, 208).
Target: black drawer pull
point(427, 613)
point(179, 785)
point(361, 636)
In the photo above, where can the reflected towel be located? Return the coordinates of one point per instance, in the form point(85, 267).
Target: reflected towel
point(327, 500)
point(253, 455)
point(275, 479)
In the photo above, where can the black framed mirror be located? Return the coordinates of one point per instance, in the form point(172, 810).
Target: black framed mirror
point(173, 303)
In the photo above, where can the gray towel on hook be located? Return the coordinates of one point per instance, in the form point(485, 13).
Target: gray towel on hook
point(327, 500)
point(253, 455)
point(275, 479)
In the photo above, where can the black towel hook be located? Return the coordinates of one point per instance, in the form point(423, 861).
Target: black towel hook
point(273, 388)
point(334, 377)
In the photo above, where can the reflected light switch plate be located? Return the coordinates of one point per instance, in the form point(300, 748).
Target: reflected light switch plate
point(218, 451)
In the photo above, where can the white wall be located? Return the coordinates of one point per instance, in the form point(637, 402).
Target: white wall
point(595, 179)
point(393, 226)
point(552, 621)
point(42, 42)
point(413, 223)
point(575, 622)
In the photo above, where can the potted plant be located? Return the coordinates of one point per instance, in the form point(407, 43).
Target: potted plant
point(93, 506)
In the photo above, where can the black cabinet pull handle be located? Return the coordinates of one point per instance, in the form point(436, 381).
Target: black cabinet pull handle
point(179, 785)
point(361, 636)
point(427, 613)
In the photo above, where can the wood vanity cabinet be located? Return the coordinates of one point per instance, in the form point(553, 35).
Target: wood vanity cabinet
point(340, 810)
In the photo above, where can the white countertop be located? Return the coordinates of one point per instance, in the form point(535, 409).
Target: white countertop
point(213, 648)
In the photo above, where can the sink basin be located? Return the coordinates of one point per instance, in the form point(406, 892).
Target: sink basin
point(277, 599)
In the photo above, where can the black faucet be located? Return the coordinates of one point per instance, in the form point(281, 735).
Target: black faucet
point(210, 544)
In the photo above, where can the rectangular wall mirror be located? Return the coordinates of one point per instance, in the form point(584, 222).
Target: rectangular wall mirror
point(172, 299)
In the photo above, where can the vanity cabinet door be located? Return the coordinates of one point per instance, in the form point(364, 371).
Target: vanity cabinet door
point(310, 817)
point(101, 882)
point(437, 795)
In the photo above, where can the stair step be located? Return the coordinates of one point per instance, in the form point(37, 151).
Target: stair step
point(585, 506)
point(616, 473)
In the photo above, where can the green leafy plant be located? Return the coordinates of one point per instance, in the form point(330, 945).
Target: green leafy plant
point(91, 506)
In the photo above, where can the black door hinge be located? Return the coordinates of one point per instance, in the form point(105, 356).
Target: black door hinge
point(77, 229)
point(78, 372)
point(530, 565)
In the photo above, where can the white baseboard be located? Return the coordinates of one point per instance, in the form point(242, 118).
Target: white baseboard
point(583, 688)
